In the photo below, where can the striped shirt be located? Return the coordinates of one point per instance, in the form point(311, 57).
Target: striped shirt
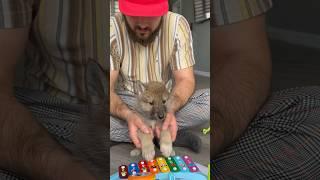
point(64, 36)
point(232, 11)
point(171, 50)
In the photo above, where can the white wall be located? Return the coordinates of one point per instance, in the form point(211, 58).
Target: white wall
point(201, 38)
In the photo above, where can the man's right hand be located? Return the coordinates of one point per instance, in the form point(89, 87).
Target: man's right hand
point(119, 109)
point(136, 123)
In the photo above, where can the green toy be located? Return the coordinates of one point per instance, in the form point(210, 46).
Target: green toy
point(209, 171)
point(206, 130)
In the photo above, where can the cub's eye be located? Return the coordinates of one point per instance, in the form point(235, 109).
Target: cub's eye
point(164, 101)
point(151, 103)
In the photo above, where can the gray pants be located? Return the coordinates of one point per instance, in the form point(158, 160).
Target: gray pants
point(194, 113)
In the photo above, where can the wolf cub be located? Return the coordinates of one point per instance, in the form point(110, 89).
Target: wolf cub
point(151, 105)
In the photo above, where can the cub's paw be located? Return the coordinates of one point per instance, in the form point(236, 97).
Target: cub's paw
point(148, 152)
point(173, 153)
point(135, 152)
point(166, 149)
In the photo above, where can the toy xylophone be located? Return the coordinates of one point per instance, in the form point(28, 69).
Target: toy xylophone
point(160, 168)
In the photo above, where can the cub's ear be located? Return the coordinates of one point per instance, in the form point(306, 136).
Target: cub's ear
point(140, 87)
point(168, 84)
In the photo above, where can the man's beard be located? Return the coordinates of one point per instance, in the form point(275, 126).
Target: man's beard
point(135, 38)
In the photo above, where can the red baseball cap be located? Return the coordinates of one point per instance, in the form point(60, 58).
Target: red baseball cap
point(143, 7)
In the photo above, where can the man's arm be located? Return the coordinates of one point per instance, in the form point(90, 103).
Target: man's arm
point(120, 110)
point(241, 78)
point(26, 147)
point(117, 107)
point(181, 92)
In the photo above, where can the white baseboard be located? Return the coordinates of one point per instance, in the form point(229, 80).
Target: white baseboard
point(294, 37)
point(202, 73)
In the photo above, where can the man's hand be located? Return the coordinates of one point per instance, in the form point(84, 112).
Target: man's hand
point(183, 89)
point(136, 123)
point(169, 123)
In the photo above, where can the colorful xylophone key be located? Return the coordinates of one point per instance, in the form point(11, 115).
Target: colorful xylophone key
point(143, 166)
point(172, 164)
point(182, 165)
point(163, 166)
point(133, 169)
point(123, 172)
point(191, 165)
point(153, 166)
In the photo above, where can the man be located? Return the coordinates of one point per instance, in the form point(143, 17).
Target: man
point(255, 137)
point(148, 43)
point(59, 38)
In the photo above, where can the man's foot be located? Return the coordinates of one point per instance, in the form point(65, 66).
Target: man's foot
point(186, 138)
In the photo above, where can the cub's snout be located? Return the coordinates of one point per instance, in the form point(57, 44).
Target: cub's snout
point(159, 112)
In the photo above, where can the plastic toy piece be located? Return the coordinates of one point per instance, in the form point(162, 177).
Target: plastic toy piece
point(133, 169)
point(181, 164)
point(191, 165)
point(143, 176)
point(181, 176)
point(172, 164)
point(123, 172)
point(206, 130)
point(153, 166)
point(143, 166)
point(163, 166)
point(209, 171)
point(165, 176)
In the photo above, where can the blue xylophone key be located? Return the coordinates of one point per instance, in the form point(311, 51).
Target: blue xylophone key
point(133, 169)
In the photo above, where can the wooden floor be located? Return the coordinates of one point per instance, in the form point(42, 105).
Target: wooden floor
point(120, 154)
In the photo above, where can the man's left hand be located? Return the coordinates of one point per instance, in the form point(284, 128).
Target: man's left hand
point(169, 123)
